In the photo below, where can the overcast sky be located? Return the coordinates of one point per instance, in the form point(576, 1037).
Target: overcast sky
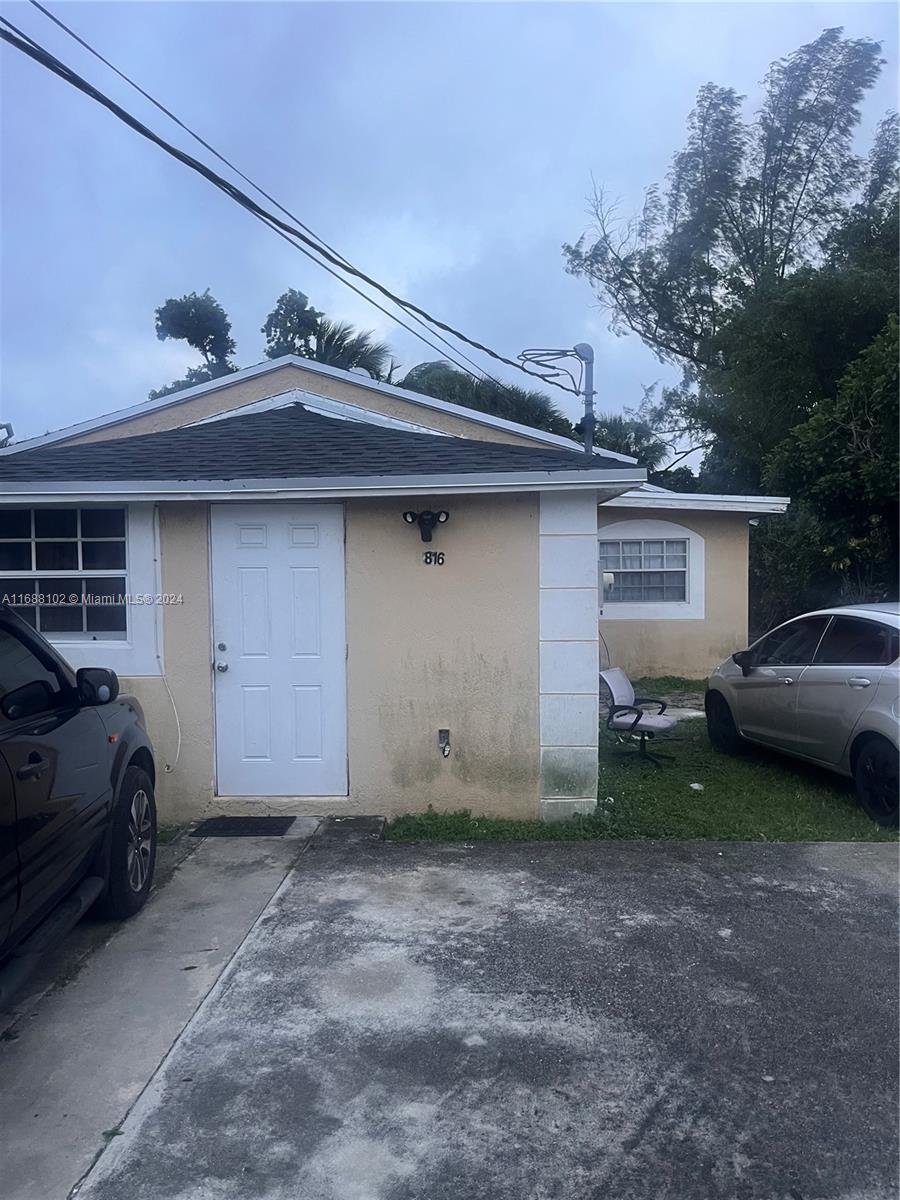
point(446, 149)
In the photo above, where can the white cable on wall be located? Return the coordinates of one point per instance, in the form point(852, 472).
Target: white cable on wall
point(169, 767)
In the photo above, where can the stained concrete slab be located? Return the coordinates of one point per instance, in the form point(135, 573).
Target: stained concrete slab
point(64, 961)
point(572, 1021)
point(73, 1063)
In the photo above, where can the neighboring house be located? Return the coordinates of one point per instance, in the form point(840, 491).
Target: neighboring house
point(302, 647)
point(679, 561)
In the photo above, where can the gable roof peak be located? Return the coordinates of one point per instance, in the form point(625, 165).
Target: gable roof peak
point(173, 399)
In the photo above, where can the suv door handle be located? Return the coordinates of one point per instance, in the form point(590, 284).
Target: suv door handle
point(34, 768)
point(859, 681)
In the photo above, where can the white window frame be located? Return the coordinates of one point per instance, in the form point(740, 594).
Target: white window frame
point(138, 651)
point(693, 607)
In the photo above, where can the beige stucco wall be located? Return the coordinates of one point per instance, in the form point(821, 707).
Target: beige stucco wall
point(247, 391)
point(691, 648)
point(187, 643)
point(444, 647)
point(429, 647)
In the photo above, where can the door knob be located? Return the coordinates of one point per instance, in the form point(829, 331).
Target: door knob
point(220, 666)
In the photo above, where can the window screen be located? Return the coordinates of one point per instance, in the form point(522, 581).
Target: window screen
point(646, 570)
point(64, 570)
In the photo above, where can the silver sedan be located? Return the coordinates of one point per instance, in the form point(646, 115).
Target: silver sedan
point(824, 687)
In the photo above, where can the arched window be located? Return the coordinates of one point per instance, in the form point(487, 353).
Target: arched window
point(656, 570)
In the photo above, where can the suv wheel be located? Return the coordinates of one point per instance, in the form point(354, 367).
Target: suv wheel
point(723, 733)
point(132, 852)
point(878, 781)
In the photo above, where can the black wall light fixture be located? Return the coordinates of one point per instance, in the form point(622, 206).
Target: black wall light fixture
point(426, 521)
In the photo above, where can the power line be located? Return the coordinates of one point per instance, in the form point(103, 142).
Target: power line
point(34, 50)
point(221, 157)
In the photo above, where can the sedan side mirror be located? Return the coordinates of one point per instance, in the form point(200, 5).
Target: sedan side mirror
point(744, 659)
point(96, 685)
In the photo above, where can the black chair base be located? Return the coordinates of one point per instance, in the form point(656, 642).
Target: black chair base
point(657, 757)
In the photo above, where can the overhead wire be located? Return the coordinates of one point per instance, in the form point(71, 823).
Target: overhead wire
point(28, 46)
point(262, 191)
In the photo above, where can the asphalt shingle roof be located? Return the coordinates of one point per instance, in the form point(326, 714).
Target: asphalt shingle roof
point(289, 442)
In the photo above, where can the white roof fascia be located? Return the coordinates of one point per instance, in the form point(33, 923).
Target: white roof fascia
point(609, 482)
point(700, 502)
point(316, 368)
point(338, 409)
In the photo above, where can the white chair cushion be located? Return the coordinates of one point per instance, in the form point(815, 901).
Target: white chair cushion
point(649, 722)
point(619, 685)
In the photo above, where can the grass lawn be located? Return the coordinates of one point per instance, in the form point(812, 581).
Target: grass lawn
point(662, 685)
point(758, 796)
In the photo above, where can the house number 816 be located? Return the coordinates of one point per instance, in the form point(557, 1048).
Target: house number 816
point(433, 558)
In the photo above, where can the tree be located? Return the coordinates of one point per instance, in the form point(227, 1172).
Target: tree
point(340, 345)
point(782, 354)
point(203, 323)
point(294, 327)
point(765, 267)
point(443, 381)
point(291, 326)
point(631, 436)
point(745, 203)
point(868, 235)
point(675, 479)
point(844, 461)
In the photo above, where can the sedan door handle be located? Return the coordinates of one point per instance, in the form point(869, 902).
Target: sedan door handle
point(33, 769)
point(859, 681)
point(787, 679)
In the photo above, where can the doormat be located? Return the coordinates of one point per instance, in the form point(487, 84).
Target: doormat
point(243, 827)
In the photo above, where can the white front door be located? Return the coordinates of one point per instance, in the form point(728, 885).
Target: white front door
point(279, 647)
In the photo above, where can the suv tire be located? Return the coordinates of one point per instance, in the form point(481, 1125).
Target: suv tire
point(132, 847)
point(877, 780)
point(723, 733)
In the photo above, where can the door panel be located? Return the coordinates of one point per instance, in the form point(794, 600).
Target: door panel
point(61, 803)
point(841, 684)
point(58, 762)
point(280, 649)
point(830, 701)
point(767, 705)
point(766, 698)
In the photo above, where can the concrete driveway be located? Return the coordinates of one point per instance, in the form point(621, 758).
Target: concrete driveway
point(535, 1021)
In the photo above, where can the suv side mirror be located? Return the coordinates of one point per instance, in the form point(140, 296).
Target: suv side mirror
point(744, 659)
point(96, 685)
point(28, 700)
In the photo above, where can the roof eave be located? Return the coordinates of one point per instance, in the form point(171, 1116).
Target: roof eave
point(701, 502)
point(609, 482)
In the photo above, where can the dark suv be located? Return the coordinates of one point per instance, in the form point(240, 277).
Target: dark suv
point(77, 813)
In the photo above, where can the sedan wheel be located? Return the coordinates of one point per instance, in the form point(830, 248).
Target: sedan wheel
point(140, 840)
point(878, 781)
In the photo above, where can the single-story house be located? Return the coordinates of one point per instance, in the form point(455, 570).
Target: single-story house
point(679, 561)
point(331, 594)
